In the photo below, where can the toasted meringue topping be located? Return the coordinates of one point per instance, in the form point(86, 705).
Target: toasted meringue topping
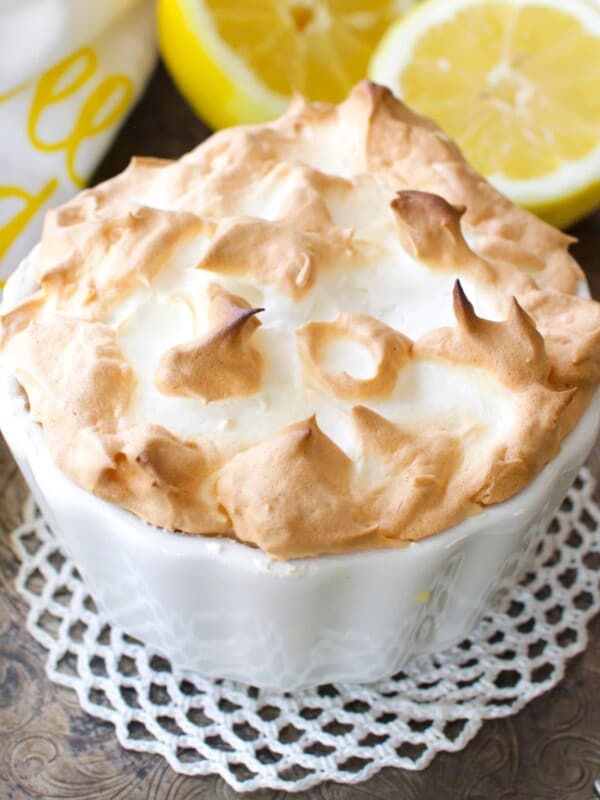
point(390, 351)
point(513, 349)
point(429, 229)
point(220, 364)
point(413, 475)
point(313, 501)
point(322, 334)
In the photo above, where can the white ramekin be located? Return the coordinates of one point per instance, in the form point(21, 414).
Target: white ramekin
point(224, 609)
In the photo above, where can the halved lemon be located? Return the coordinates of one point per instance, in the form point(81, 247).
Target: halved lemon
point(240, 60)
point(517, 84)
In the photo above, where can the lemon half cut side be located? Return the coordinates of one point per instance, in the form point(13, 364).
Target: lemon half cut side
point(239, 61)
point(517, 84)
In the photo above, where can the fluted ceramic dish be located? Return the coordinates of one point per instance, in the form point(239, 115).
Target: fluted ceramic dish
point(226, 610)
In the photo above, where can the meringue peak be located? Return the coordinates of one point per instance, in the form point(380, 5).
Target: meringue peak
point(514, 349)
point(429, 228)
point(220, 364)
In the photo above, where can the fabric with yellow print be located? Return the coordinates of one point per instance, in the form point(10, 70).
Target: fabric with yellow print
point(70, 70)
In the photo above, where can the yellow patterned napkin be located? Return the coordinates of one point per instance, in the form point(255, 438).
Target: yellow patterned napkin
point(69, 72)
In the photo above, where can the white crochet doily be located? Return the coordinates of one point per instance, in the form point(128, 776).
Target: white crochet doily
point(257, 739)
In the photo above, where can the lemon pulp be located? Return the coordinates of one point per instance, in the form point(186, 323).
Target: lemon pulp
point(240, 60)
point(517, 85)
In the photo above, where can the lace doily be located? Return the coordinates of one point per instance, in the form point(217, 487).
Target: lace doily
point(257, 739)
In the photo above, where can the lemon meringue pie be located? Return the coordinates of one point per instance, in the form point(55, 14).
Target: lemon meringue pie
point(317, 335)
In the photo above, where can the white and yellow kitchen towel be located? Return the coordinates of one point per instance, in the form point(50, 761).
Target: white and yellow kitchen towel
point(70, 70)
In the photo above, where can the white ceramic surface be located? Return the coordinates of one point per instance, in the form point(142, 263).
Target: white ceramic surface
point(225, 610)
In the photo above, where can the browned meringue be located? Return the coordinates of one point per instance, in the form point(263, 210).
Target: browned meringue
point(429, 229)
point(390, 350)
point(220, 364)
point(180, 350)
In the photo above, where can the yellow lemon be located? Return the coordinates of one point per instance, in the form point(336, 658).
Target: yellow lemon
point(517, 84)
point(240, 60)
